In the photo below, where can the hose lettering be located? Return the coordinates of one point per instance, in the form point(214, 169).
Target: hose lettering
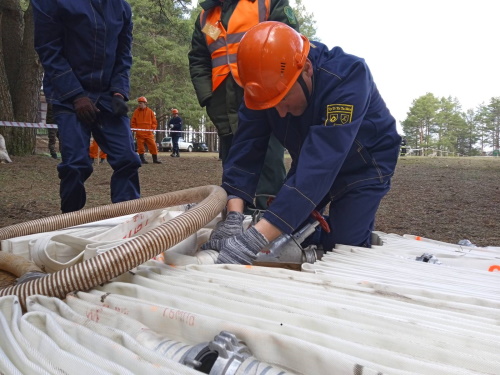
point(181, 316)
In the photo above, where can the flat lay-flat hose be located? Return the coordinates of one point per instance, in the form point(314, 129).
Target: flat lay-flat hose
point(14, 266)
point(210, 201)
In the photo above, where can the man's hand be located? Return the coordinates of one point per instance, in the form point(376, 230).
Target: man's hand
point(85, 109)
point(232, 226)
point(120, 108)
point(241, 249)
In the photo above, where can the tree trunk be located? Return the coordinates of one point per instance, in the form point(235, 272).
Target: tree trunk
point(12, 37)
point(26, 94)
point(6, 110)
point(20, 77)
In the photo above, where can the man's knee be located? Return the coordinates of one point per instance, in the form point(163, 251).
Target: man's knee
point(361, 238)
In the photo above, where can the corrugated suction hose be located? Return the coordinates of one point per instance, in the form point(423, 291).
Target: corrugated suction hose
point(211, 200)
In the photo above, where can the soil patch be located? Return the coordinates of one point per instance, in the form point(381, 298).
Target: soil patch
point(446, 199)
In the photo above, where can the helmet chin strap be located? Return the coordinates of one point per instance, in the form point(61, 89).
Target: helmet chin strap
point(303, 84)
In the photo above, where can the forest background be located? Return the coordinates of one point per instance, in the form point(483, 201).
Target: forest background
point(162, 39)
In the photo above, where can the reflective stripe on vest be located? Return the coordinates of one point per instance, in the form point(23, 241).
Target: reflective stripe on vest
point(223, 49)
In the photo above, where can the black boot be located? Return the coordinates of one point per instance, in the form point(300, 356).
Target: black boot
point(172, 154)
point(144, 161)
point(155, 159)
point(177, 154)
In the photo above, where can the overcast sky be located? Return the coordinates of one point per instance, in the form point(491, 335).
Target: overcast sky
point(445, 47)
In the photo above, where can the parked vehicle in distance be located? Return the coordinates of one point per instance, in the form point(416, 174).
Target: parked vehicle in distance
point(200, 147)
point(166, 145)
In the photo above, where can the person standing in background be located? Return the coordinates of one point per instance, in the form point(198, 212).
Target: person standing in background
point(175, 125)
point(214, 74)
point(52, 133)
point(53, 136)
point(144, 118)
point(403, 146)
point(85, 51)
point(96, 153)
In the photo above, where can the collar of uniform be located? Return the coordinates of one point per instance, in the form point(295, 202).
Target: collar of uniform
point(209, 4)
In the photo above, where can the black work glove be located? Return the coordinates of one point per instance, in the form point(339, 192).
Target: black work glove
point(232, 226)
point(120, 108)
point(85, 109)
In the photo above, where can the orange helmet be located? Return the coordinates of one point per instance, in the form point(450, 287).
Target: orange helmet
point(271, 57)
point(175, 110)
point(142, 99)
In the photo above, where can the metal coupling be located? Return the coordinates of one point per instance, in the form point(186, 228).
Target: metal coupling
point(428, 258)
point(221, 356)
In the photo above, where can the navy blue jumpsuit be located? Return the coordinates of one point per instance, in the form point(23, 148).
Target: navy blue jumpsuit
point(84, 47)
point(175, 124)
point(344, 150)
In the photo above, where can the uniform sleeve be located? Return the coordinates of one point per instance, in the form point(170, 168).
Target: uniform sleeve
point(246, 155)
point(120, 78)
point(200, 65)
point(154, 121)
point(282, 12)
point(133, 121)
point(49, 39)
point(324, 150)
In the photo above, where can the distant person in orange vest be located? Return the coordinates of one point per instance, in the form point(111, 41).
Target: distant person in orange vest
point(144, 118)
point(96, 153)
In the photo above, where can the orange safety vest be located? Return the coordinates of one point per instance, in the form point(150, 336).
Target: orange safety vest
point(223, 49)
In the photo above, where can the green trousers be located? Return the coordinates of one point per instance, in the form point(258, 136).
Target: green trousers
point(223, 111)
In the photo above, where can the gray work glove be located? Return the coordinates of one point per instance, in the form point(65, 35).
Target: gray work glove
point(230, 227)
point(29, 276)
point(242, 248)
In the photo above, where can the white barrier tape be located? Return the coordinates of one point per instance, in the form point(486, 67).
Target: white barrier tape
point(54, 126)
point(28, 124)
point(173, 131)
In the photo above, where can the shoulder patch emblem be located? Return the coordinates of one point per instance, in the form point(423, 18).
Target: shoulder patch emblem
point(290, 15)
point(338, 114)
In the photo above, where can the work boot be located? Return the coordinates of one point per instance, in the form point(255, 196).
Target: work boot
point(144, 161)
point(53, 155)
point(155, 159)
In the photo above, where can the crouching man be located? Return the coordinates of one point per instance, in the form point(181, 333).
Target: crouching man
point(324, 107)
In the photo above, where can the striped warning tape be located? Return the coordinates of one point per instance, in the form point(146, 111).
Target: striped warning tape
point(173, 131)
point(28, 124)
point(54, 126)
